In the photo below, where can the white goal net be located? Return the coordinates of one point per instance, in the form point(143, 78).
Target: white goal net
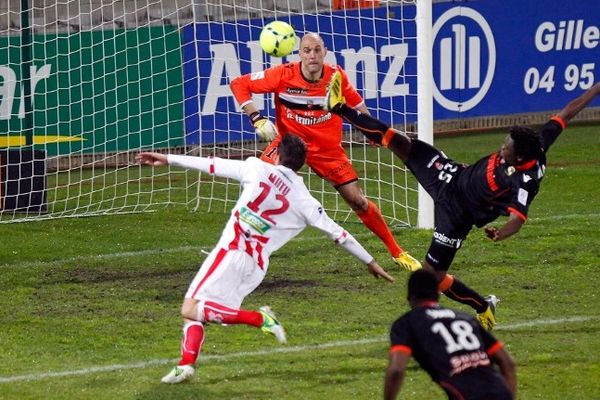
point(85, 85)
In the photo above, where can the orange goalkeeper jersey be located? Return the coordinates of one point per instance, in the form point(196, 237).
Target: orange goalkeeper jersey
point(299, 103)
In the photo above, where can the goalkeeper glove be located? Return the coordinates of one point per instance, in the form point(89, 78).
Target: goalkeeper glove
point(263, 126)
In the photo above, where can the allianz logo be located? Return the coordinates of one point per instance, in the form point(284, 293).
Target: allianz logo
point(387, 61)
point(465, 47)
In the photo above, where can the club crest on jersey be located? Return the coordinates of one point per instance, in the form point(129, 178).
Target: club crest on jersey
point(510, 170)
point(432, 161)
point(253, 220)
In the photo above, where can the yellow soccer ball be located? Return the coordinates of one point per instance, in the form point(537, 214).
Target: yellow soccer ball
point(278, 38)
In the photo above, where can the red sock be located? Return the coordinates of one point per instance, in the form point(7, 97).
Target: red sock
point(373, 220)
point(215, 312)
point(191, 343)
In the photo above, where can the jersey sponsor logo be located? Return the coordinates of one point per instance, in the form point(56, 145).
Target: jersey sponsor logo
point(436, 314)
point(308, 121)
point(446, 241)
point(470, 360)
point(253, 220)
point(522, 196)
point(462, 37)
point(292, 90)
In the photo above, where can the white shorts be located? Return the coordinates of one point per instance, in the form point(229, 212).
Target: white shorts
point(226, 277)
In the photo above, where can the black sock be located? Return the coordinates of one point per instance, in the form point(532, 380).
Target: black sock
point(372, 128)
point(465, 295)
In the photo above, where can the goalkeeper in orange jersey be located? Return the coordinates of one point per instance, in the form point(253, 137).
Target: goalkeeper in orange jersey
point(300, 89)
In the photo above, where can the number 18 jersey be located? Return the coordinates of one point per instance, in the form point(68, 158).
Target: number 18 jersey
point(454, 350)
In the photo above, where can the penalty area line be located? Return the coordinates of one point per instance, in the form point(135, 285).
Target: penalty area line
point(282, 350)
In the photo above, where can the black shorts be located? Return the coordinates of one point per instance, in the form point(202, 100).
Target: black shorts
point(436, 172)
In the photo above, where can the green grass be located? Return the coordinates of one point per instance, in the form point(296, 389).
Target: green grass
point(86, 293)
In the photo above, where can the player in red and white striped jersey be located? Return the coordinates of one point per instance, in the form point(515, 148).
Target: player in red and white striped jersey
point(273, 208)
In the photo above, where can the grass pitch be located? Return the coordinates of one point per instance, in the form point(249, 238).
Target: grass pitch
point(89, 306)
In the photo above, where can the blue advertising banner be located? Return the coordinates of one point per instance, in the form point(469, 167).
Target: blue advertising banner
point(359, 40)
point(499, 58)
point(489, 58)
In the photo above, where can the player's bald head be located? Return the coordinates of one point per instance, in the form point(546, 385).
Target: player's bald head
point(311, 38)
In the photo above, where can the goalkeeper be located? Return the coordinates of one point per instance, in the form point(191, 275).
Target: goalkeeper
point(299, 89)
point(273, 208)
point(502, 183)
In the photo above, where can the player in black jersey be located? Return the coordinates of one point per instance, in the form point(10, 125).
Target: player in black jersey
point(503, 183)
point(451, 346)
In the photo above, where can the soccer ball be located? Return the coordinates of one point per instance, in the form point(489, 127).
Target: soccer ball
point(278, 38)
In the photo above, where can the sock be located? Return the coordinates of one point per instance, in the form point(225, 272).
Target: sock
point(373, 220)
point(460, 292)
point(218, 313)
point(191, 343)
point(364, 122)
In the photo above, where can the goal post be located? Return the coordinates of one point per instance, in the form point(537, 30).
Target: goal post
point(377, 47)
point(110, 78)
point(425, 218)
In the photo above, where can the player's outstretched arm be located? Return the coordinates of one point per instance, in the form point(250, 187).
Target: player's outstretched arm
point(575, 106)
point(512, 226)
point(352, 246)
point(150, 158)
point(379, 272)
point(233, 169)
point(319, 219)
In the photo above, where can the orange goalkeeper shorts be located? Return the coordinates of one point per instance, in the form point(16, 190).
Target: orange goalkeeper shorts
point(333, 166)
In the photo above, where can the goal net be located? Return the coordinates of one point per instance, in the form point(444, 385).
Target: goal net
point(85, 85)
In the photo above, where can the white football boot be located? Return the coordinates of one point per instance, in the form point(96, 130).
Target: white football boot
point(271, 324)
point(179, 374)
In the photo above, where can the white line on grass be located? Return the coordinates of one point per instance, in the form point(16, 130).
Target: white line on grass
point(286, 350)
point(560, 217)
point(205, 249)
point(148, 252)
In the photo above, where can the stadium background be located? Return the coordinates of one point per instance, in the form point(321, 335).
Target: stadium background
point(90, 305)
